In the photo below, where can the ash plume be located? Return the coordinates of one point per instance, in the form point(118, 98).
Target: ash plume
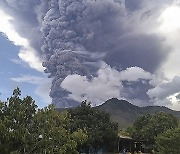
point(73, 32)
point(76, 36)
point(73, 28)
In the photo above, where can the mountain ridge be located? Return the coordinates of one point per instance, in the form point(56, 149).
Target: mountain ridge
point(125, 113)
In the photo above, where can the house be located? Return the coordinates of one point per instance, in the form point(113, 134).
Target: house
point(131, 145)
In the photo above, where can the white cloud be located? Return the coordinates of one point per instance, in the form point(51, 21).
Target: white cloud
point(19, 61)
point(27, 53)
point(169, 19)
point(16, 61)
point(164, 93)
point(43, 86)
point(107, 84)
point(134, 74)
point(175, 105)
point(170, 28)
point(97, 90)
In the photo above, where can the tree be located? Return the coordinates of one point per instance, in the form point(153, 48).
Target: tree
point(147, 127)
point(16, 118)
point(168, 142)
point(26, 130)
point(55, 138)
point(100, 130)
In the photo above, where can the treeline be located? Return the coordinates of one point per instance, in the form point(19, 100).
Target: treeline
point(25, 129)
point(160, 132)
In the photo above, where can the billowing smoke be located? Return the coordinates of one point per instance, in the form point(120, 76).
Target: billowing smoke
point(84, 42)
point(75, 30)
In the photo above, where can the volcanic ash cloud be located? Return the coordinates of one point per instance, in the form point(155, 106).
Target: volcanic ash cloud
point(83, 39)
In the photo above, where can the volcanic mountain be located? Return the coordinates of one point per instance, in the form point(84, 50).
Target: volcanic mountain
point(125, 113)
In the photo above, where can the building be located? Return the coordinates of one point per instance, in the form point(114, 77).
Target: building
point(131, 145)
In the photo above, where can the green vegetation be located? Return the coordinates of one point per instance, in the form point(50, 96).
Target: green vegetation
point(169, 141)
point(26, 130)
point(100, 130)
point(147, 127)
point(158, 131)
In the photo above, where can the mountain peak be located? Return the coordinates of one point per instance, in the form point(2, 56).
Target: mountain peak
point(118, 104)
point(125, 113)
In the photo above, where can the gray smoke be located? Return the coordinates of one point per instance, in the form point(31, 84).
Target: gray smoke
point(72, 36)
point(74, 28)
point(72, 31)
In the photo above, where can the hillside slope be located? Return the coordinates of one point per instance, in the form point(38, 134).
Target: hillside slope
point(125, 113)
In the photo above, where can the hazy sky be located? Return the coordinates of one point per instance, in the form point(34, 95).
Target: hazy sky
point(91, 49)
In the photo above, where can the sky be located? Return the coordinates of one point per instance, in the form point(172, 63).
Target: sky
point(16, 73)
point(64, 52)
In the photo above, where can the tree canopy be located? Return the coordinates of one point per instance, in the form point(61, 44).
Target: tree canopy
point(24, 129)
point(147, 127)
point(168, 142)
point(100, 130)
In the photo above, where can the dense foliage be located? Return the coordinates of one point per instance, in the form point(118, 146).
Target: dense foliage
point(100, 130)
point(169, 142)
point(26, 130)
point(147, 127)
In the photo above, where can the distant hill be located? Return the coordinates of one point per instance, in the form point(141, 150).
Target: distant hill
point(125, 113)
